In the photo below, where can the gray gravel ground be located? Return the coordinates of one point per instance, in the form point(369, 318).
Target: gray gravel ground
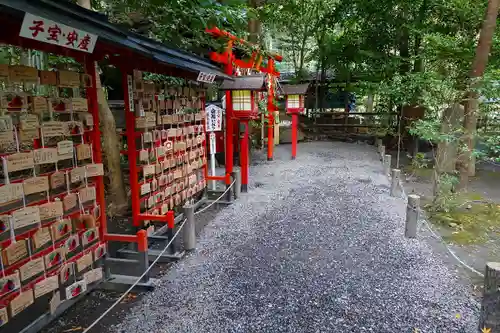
point(315, 246)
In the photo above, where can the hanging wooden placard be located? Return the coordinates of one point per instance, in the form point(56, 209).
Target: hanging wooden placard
point(6, 124)
point(69, 202)
point(68, 79)
point(39, 104)
point(76, 289)
point(84, 262)
point(29, 122)
point(100, 252)
point(4, 223)
point(55, 258)
point(95, 170)
point(41, 237)
point(19, 73)
point(87, 194)
point(90, 236)
point(25, 217)
point(28, 135)
point(36, 185)
point(4, 317)
point(79, 104)
point(9, 283)
point(20, 161)
point(4, 70)
point(21, 302)
point(143, 155)
point(51, 210)
point(54, 129)
point(11, 192)
point(148, 170)
point(15, 252)
point(83, 152)
point(77, 174)
point(93, 276)
point(65, 273)
point(145, 188)
point(57, 180)
point(48, 77)
point(65, 148)
point(31, 268)
point(46, 286)
point(60, 229)
point(71, 243)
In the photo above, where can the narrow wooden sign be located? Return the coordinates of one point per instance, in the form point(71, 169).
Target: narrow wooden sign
point(9, 283)
point(93, 275)
point(51, 210)
point(55, 258)
point(95, 170)
point(36, 185)
point(61, 228)
point(76, 289)
point(87, 194)
point(20, 161)
point(57, 179)
point(46, 286)
point(77, 174)
point(84, 262)
point(11, 192)
point(21, 302)
point(45, 156)
point(15, 252)
point(83, 152)
point(41, 237)
point(25, 217)
point(69, 202)
point(4, 317)
point(31, 268)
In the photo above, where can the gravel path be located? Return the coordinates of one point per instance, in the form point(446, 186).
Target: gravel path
point(315, 246)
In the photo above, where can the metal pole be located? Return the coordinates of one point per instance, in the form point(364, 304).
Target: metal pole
point(244, 157)
point(395, 181)
point(382, 153)
point(295, 120)
point(489, 320)
point(213, 183)
point(189, 232)
point(387, 164)
point(237, 183)
point(412, 211)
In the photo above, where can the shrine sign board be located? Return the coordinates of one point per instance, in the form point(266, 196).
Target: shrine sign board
point(214, 118)
point(47, 31)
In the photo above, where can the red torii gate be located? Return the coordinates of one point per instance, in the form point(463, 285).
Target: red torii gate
point(228, 59)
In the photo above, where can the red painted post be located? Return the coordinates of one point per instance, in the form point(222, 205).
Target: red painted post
point(295, 122)
point(96, 139)
point(270, 115)
point(244, 158)
point(132, 158)
point(229, 113)
point(142, 241)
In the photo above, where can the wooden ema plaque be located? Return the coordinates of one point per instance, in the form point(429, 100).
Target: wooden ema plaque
point(84, 262)
point(68, 79)
point(71, 243)
point(46, 286)
point(15, 252)
point(29, 122)
point(31, 268)
point(93, 276)
point(76, 289)
point(60, 229)
point(36, 185)
point(4, 70)
point(48, 77)
point(54, 258)
point(77, 174)
point(20, 73)
point(70, 201)
point(39, 104)
point(65, 273)
point(79, 104)
point(65, 148)
point(51, 210)
point(11, 192)
point(28, 135)
point(9, 283)
point(95, 170)
point(90, 236)
point(41, 237)
point(21, 302)
point(57, 179)
point(54, 129)
point(25, 216)
point(4, 317)
point(20, 161)
point(83, 152)
point(45, 156)
point(87, 194)
point(99, 252)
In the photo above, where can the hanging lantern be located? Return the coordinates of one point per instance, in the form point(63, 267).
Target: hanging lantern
point(244, 95)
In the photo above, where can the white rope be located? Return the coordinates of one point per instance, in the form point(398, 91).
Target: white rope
point(216, 200)
point(136, 282)
point(438, 237)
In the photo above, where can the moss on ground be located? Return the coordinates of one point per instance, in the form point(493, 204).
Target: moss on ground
point(470, 223)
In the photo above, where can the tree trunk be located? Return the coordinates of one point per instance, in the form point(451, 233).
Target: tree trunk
point(470, 109)
point(254, 25)
point(116, 195)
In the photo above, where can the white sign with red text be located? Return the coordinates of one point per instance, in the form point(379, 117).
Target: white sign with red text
point(47, 31)
point(206, 77)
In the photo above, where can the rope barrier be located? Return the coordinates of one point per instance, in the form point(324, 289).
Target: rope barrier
point(438, 237)
point(216, 200)
point(136, 282)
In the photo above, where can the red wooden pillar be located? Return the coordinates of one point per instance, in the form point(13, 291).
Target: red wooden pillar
point(229, 114)
point(131, 147)
point(90, 68)
point(270, 110)
point(295, 123)
point(244, 147)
